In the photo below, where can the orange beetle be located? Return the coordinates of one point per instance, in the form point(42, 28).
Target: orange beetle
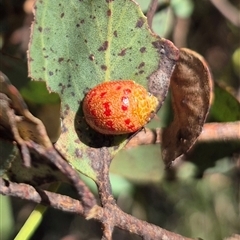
point(118, 107)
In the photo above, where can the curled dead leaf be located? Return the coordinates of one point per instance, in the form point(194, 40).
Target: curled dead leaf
point(190, 87)
point(16, 119)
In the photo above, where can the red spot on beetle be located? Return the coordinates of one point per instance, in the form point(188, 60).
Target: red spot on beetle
point(107, 111)
point(110, 124)
point(103, 94)
point(93, 112)
point(127, 121)
point(127, 91)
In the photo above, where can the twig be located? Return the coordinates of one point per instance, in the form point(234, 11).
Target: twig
point(228, 11)
point(180, 31)
point(109, 214)
point(37, 195)
point(132, 224)
point(211, 132)
point(151, 11)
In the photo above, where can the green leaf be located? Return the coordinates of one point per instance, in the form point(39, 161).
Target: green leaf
point(236, 61)
point(78, 44)
point(182, 8)
point(225, 108)
point(141, 164)
point(163, 22)
point(37, 93)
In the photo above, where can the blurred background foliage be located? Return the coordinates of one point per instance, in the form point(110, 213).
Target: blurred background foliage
point(198, 198)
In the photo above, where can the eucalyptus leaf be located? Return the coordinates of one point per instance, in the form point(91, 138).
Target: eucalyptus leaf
point(78, 44)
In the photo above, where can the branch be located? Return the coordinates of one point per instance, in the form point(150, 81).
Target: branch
point(151, 11)
point(37, 195)
point(228, 11)
point(211, 132)
point(110, 215)
point(127, 222)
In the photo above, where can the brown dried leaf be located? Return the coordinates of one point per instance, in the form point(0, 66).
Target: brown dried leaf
point(17, 120)
point(190, 86)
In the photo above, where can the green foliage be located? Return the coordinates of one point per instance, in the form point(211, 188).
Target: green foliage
point(37, 93)
point(225, 108)
point(236, 61)
point(164, 19)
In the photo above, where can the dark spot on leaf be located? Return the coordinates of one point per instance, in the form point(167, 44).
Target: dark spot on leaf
point(115, 33)
point(50, 73)
point(62, 15)
point(46, 56)
point(109, 12)
point(142, 49)
point(140, 22)
point(67, 107)
point(43, 68)
point(104, 67)
point(104, 46)
point(64, 129)
point(141, 72)
point(73, 94)
point(122, 53)
point(82, 21)
point(44, 49)
point(60, 60)
point(78, 153)
point(157, 44)
point(40, 29)
point(92, 16)
point(63, 88)
point(69, 85)
point(142, 64)
point(85, 41)
point(78, 25)
point(91, 57)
